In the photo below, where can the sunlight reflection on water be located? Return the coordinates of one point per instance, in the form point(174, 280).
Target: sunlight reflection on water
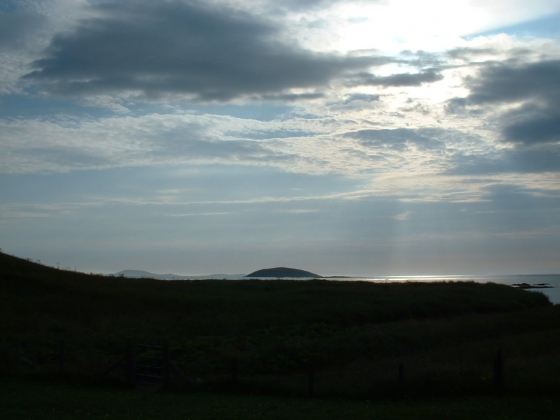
point(550, 279)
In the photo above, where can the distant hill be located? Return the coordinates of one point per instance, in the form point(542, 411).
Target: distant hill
point(282, 272)
point(139, 274)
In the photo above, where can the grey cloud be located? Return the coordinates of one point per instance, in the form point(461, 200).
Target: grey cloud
point(535, 129)
point(291, 97)
point(460, 106)
point(401, 79)
point(422, 59)
point(542, 159)
point(128, 142)
point(16, 28)
point(535, 85)
point(166, 48)
point(237, 151)
point(466, 53)
point(67, 157)
point(449, 146)
point(517, 160)
point(194, 142)
point(270, 134)
point(512, 198)
point(510, 83)
point(301, 5)
point(400, 138)
point(472, 54)
point(456, 106)
point(297, 5)
point(361, 97)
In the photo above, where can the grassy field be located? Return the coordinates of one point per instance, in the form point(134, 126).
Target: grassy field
point(26, 399)
point(355, 333)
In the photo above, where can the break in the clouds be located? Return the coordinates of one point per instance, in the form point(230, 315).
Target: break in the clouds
point(342, 137)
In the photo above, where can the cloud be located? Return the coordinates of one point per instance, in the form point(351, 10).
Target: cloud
point(403, 216)
point(36, 145)
point(318, 146)
point(16, 28)
point(534, 126)
point(468, 53)
point(204, 53)
point(299, 5)
point(68, 156)
point(509, 82)
point(522, 100)
point(399, 138)
point(401, 79)
point(361, 97)
point(239, 151)
point(455, 152)
point(515, 160)
point(284, 7)
point(534, 88)
point(293, 97)
point(511, 198)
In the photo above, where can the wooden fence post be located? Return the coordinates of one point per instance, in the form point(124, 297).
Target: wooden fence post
point(129, 363)
point(401, 378)
point(311, 379)
point(61, 358)
point(234, 371)
point(499, 372)
point(166, 368)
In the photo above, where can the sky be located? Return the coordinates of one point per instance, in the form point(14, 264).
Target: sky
point(343, 137)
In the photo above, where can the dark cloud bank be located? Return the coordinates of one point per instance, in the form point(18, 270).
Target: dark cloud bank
point(209, 53)
point(531, 128)
point(16, 28)
point(536, 86)
point(161, 48)
point(401, 79)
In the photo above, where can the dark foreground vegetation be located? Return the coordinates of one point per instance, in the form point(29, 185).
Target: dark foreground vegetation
point(265, 334)
point(33, 399)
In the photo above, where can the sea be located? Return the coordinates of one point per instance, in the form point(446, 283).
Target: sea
point(552, 280)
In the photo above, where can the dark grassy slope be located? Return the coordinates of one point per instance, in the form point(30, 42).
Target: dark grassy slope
point(275, 326)
point(34, 295)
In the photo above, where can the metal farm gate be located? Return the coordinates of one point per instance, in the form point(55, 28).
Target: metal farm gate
point(147, 366)
point(150, 366)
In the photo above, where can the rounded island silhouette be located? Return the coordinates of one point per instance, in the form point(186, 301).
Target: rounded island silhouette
point(282, 272)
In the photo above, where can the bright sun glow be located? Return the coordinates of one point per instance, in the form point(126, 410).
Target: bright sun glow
point(402, 24)
point(429, 25)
